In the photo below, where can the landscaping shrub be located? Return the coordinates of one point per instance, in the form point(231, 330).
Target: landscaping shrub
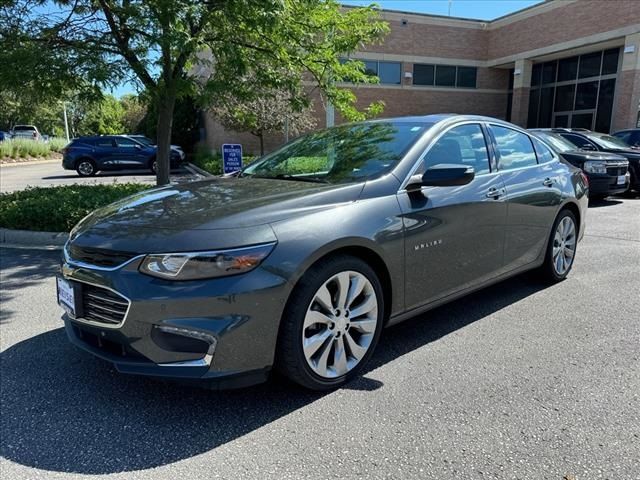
point(58, 209)
point(24, 147)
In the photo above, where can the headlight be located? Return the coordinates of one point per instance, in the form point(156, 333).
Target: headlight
point(199, 265)
point(595, 167)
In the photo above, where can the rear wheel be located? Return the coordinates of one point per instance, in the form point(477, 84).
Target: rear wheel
point(153, 166)
point(332, 323)
point(86, 167)
point(561, 250)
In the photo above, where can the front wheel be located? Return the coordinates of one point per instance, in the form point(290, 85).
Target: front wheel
point(332, 323)
point(561, 250)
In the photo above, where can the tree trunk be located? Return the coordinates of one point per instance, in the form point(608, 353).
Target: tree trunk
point(166, 104)
point(261, 135)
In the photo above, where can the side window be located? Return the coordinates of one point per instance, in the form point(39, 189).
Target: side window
point(543, 152)
point(515, 148)
point(104, 142)
point(464, 145)
point(624, 136)
point(577, 140)
point(634, 141)
point(125, 142)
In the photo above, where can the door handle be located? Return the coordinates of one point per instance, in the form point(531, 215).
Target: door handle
point(548, 182)
point(494, 193)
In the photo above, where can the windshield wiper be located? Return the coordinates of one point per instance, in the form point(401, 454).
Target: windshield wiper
point(287, 176)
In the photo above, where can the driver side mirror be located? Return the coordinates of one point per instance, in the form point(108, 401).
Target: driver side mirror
point(588, 147)
point(442, 175)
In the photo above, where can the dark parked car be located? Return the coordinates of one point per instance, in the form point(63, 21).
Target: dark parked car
point(607, 172)
point(4, 136)
point(631, 137)
point(302, 258)
point(150, 143)
point(89, 155)
point(601, 142)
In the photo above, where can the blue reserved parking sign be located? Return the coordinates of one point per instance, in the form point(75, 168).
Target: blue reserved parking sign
point(231, 157)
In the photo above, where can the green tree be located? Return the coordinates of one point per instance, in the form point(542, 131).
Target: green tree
point(134, 110)
point(269, 111)
point(177, 48)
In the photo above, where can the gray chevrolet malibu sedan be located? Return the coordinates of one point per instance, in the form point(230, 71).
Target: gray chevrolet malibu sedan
point(298, 261)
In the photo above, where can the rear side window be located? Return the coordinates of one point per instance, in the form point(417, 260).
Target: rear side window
point(104, 142)
point(543, 152)
point(24, 128)
point(515, 148)
point(126, 142)
point(464, 144)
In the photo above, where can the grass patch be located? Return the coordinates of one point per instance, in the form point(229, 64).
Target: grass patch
point(24, 147)
point(58, 209)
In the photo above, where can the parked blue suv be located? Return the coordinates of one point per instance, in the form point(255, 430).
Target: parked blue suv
point(88, 155)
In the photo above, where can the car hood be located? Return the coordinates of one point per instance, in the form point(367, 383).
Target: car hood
point(600, 156)
point(629, 154)
point(222, 212)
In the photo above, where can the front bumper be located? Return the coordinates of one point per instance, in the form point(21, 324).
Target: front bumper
point(605, 184)
point(237, 316)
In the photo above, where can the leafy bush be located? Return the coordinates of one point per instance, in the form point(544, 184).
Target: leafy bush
point(211, 161)
point(58, 209)
point(24, 147)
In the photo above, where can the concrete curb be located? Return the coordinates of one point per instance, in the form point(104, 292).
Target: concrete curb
point(198, 170)
point(33, 162)
point(35, 240)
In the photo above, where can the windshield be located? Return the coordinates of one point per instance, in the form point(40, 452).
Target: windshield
point(143, 140)
point(341, 154)
point(23, 128)
point(556, 141)
point(607, 141)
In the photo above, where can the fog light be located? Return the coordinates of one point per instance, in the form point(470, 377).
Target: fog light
point(208, 338)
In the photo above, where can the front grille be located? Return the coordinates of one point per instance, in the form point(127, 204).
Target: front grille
point(98, 256)
point(615, 171)
point(103, 306)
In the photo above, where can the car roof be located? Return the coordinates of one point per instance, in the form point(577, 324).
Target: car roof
point(442, 117)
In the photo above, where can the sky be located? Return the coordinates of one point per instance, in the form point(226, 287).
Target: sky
point(480, 9)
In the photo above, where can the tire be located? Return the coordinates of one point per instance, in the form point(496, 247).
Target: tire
point(86, 167)
point(344, 342)
point(553, 270)
point(153, 166)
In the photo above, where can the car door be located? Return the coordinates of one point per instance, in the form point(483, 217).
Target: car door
point(131, 154)
point(533, 193)
point(454, 236)
point(105, 153)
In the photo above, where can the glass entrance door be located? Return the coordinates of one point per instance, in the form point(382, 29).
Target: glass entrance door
point(575, 119)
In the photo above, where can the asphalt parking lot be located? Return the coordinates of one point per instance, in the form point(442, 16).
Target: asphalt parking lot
point(50, 173)
point(518, 381)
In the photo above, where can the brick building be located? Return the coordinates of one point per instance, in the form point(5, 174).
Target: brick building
point(559, 63)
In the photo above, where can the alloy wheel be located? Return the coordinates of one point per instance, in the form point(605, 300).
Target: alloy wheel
point(85, 168)
point(340, 324)
point(564, 245)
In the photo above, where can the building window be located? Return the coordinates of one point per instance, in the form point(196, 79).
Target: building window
point(389, 72)
point(466, 77)
point(444, 75)
point(423, 74)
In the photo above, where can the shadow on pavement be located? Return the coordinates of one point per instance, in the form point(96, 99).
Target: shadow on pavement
point(603, 202)
point(23, 268)
point(65, 411)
